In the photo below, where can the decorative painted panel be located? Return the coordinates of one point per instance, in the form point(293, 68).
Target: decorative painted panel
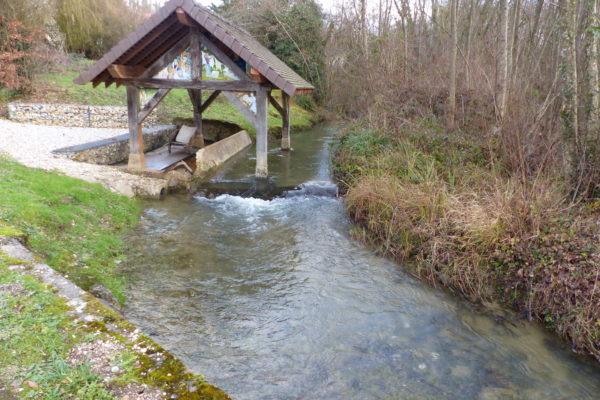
point(181, 68)
point(212, 69)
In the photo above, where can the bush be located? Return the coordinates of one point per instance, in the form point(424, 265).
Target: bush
point(307, 102)
point(438, 201)
point(19, 54)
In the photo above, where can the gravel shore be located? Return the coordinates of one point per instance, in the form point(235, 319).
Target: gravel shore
point(32, 145)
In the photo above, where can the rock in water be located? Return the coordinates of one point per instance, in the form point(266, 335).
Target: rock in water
point(102, 292)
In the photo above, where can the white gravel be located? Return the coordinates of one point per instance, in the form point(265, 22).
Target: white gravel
point(32, 145)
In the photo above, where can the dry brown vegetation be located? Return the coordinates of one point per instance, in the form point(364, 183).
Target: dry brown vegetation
point(473, 147)
point(436, 202)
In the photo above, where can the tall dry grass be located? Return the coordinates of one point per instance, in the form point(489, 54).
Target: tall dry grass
point(442, 204)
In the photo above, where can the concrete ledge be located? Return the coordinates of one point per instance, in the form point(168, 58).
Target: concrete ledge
point(216, 154)
point(116, 149)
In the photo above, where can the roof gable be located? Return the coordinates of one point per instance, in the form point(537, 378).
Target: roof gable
point(162, 31)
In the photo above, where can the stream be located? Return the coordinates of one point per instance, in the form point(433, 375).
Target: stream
point(269, 297)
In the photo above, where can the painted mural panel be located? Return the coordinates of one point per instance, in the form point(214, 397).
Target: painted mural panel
point(212, 69)
point(181, 68)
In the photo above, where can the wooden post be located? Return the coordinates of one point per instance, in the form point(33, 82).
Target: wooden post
point(196, 99)
point(262, 170)
point(285, 125)
point(196, 94)
point(137, 161)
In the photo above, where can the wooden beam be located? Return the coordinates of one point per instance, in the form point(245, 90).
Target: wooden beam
point(196, 54)
point(183, 18)
point(126, 71)
point(286, 143)
point(161, 46)
point(167, 57)
point(236, 86)
point(209, 101)
point(196, 99)
point(151, 104)
point(224, 58)
point(146, 40)
point(196, 94)
point(275, 104)
point(136, 141)
point(262, 169)
point(246, 112)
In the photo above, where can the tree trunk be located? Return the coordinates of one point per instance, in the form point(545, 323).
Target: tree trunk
point(451, 115)
point(515, 36)
point(594, 69)
point(503, 64)
point(574, 76)
point(469, 40)
point(363, 27)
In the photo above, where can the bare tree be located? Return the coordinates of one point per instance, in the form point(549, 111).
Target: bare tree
point(451, 115)
point(503, 64)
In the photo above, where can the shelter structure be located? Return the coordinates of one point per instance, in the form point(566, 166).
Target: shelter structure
point(184, 45)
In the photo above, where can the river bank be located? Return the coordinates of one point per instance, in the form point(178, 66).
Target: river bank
point(59, 340)
point(271, 297)
point(439, 202)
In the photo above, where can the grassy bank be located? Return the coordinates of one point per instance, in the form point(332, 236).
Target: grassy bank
point(56, 86)
point(74, 226)
point(442, 202)
point(45, 354)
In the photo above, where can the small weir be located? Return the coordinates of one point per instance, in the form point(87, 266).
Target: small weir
point(260, 287)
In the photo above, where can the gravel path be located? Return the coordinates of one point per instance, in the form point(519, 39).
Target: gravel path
point(32, 145)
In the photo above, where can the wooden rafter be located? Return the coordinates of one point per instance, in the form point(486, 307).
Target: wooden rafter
point(167, 57)
point(209, 101)
point(165, 43)
point(237, 86)
point(126, 71)
point(237, 103)
point(152, 103)
point(154, 35)
point(184, 19)
point(276, 105)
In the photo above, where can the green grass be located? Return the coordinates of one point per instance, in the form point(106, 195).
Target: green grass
point(74, 226)
point(56, 86)
point(36, 335)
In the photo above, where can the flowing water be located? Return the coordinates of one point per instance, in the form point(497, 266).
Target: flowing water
point(272, 299)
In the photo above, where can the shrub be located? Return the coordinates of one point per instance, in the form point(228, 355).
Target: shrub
point(19, 54)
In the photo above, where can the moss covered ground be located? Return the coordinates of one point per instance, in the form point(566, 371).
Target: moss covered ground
point(56, 86)
point(439, 201)
point(46, 354)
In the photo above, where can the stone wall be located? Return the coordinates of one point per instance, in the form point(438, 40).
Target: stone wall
point(74, 115)
point(116, 150)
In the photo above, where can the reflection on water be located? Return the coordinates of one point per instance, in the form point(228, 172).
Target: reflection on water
point(271, 299)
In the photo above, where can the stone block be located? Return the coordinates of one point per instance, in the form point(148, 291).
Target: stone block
point(216, 154)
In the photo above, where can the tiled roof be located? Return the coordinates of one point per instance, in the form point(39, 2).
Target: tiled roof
point(160, 32)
